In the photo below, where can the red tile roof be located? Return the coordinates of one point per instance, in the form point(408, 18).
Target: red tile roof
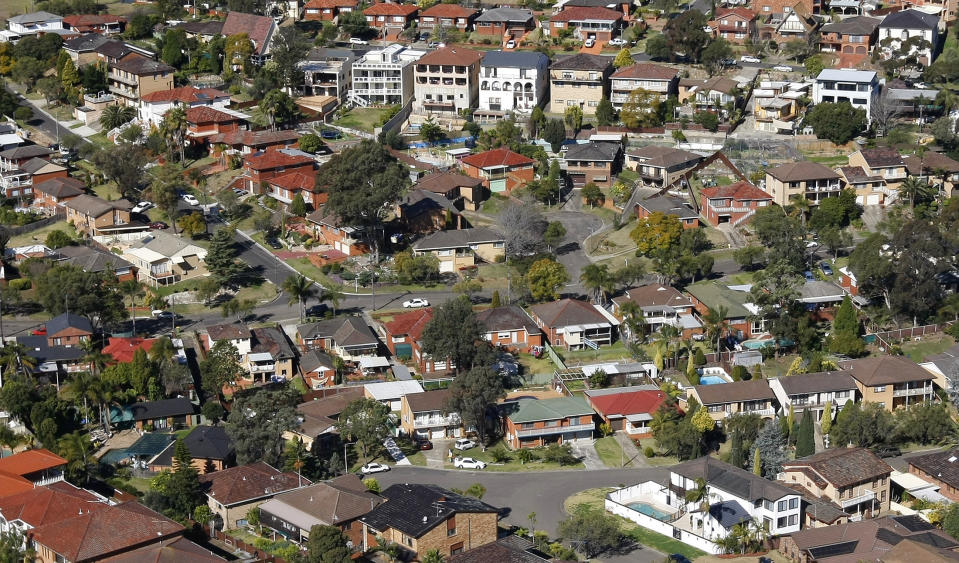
point(123, 349)
point(744, 13)
point(185, 94)
point(448, 11)
point(386, 9)
point(91, 20)
point(206, 114)
point(46, 505)
point(581, 13)
point(497, 157)
point(249, 482)
point(265, 160)
point(646, 70)
point(738, 191)
point(295, 181)
point(257, 28)
point(256, 138)
point(30, 461)
point(411, 323)
point(627, 403)
point(331, 4)
point(456, 56)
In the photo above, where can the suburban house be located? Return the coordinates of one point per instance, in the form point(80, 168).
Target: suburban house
point(891, 381)
point(124, 349)
point(318, 418)
point(658, 79)
point(796, 23)
point(933, 167)
point(231, 493)
point(247, 142)
point(447, 16)
point(574, 325)
point(809, 392)
point(726, 399)
point(660, 305)
point(587, 22)
point(908, 26)
point(870, 189)
point(18, 184)
point(32, 507)
point(259, 29)
point(317, 369)
point(384, 76)
point(69, 330)
point(93, 216)
point(34, 23)
point(738, 303)
point(209, 446)
point(329, 229)
point(327, 72)
point(464, 192)
point(29, 470)
point(940, 468)
point(510, 327)
point(736, 25)
point(593, 162)
point(422, 518)
point(339, 502)
point(734, 204)
point(135, 76)
point(716, 95)
point(236, 334)
point(424, 212)
point(164, 259)
point(94, 260)
point(58, 354)
point(270, 358)
point(154, 106)
point(535, 423)
point(266, 165)
point(14, 158)
point(348, 337)
point(858, 87)
point(659, 167)
point(205, 121)
point(876, 539)
point(402, 337)
point(579, 80)
point(886, 163)
point(327, 10)
point(426, 415)
point(284, 188)
point(804, 178)
point(390, 19)
point(515, 549)
point(391, 393)
point(511, 81)
point(626, 409)
point(853, 478)
point(852, 39)
point(505, 21)
point(647, 201)
point(82, 49)
point(459, 249)
point(50, 195)
point(501, 169)
point(172, 414)
point(776, 106)
point(446, 81)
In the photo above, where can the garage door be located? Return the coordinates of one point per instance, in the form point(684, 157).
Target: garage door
point(578, 179)
point(446, 266)
point(497, 186)
point(873, 199)
point(437, 434)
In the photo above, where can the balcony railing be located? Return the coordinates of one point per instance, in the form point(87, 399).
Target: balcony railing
point(554, 430)
point(864, 497)
point(126, 80)
point(912, 392)
point(436, 421)
point(768, 411)
point(261, 368)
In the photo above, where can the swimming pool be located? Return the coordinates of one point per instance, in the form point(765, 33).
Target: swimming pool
point(711, 380)
point(649, 510)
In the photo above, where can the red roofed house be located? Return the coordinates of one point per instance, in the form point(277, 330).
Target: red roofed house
point(327, 10)
point(246, 142)
point(587, 22)
point(264, 165)
point(205, 121)
point(104, 24)
point(450, 16)
point(153, 106)
point(284, 188)
point(403, 339)
point(626, 409)
point(501, 170)
point(736, 25)
point(259, 29)
point(390, 19)
point(122, 349)
point(29, 469)
point(329, 229)
point(38, 506)
point(733, 204)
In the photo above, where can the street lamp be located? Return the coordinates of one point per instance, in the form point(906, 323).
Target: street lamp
point(346, 462)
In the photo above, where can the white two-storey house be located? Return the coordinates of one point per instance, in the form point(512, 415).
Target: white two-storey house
point(811, 391)
point(914, 24)
point(858, 87)
point(512, 81)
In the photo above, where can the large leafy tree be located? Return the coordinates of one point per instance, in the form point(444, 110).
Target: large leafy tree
point(781, 234)
point(593, 530)
point(93, 295)
point(327, 544)
point(867, 425)
point(454, 334)
point(838, 122)
point(366, 422)
point(288, 48)
point(684, 34)
point(278, 107)
point(473, 395)
point(544, 278)
point(124, 164)
point(362, 181)
point(221, 366)
point(257, 422)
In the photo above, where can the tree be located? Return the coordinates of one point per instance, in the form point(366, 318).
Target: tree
point(311, 143)
point(453, 334)
point(814, 65)
point(593, 531)
point(183, 487)
point(605, 113)
point(656, 234)
point(58, 239)
point(593, 195)
point(278, 107)
point(431, 132)
point(257, 422)
point(702, 421)
point(838, 122)
point(658, 49)
point(433, 556)
point(714, 55)
point(884, 110)
point(221, 258)
point(863, 426)
point(623, 59)
point(221, 366)
point(554, 234)
point(366, 422)
point(124, 164)
point(771, 448)
point(544, 278)
point(115, 116)
point(89, 294)
point(748, 256)
point(781, 235)
point(684, 34)
point(473, 395)
point(298, 206)
point(708, 119)
point(598, 281)
point(287, 50)
point(213, 411)
point(237, 50)
point(76, 449)
point(299, 288)
point(361, 181)
point(805, 439)
point(826, 423)
point(640, 109)
point(757, 463)
point(554, 133)
point(844, 338)
point(173, 127)
point(327, 544)
point(573, 117)
point(27, 70)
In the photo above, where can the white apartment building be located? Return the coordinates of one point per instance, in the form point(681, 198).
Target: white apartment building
point(811, 391)
point(327, 72)
point(512, 81)
point(858, 87)
point(384, 76)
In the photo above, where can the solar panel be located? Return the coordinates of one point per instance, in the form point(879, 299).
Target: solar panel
point(888, 536)
point(842, 548)
point(913, 523)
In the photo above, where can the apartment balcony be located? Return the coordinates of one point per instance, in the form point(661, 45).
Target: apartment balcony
point(554, 430)
point(434, 421)
point(132, 80)
point(912, 392)
point(768, 411)
point(262, 368)
point(864, 497)
point(825, 188)
point(122, 91)
point(378, 91)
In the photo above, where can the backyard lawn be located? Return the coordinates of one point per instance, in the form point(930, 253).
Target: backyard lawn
point(363, 119)
point(40, 235)
point(922, 347)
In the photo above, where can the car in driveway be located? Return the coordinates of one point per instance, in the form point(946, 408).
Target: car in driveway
point(330, 134)
point(589, 43)
point(464, 444)
point(783, 68)
point(826, 268)
point(415, 303)
point(469, 463)
point(142, 206)
point(274, 244)
point(511, 44)
point(809, 275)
point(160, 314)
point(358, 41)
point(42, 331)
point(750, 59)
point(423, 444)
point(191, 199)
point(371, 468)
point(158, 225)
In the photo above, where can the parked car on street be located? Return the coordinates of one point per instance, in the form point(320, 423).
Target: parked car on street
point(414, 303)
point(160, 314)
point(617, 42)
point(358, 41)
point(783, 68)
point(370, 468)
point(468, 463)
point(750, 59)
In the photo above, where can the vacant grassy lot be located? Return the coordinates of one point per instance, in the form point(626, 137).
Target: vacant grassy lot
point(363, 119)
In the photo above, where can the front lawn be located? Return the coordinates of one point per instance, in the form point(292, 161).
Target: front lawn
point(610, 452)
point(513, 464)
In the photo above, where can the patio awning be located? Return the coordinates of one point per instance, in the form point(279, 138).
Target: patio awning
point(370, 362)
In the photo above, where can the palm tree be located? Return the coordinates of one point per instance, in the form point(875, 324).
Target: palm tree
point(174, 127)
point(10, 439)
point(75, 448)
point(802, 207)
point(83, 386)
point(700, 494)
point(666, 335)
point(633, 319)
point(716, 323)
point(14, 357)
point(596, 279)
point(163, 350)
point(115, 116)
point(915, 189)
point(95, 357)
point(132, 289)
point(300, 288)
point(950, 307)
point(333, 294)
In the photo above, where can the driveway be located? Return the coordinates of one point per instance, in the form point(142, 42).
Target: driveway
point(570, 253)
point(585, 450)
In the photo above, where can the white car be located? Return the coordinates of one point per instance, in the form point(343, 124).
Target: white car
point(617, 42)
point(750, 59)
point(414, 303)
point(371, 468)
point(464, 444)
point(783, 68)
point(511, 44)
point(589, 43)
point(468, 463)
point(191, 199)
point(142, 206)
point(358, 41)
point(160, 314)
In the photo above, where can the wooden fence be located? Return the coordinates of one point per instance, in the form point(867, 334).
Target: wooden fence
point(30, 227)
point(886, 338)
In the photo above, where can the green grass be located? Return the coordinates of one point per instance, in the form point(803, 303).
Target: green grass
point(927, 346)
point(513, 465)
point(658, 460)
point(40, 235)
point(610, 452)
point(494, 204)
point(108, 192)
point(363, 119)
point(614, 352)
point(628, 176)
point(829, 160)
point(417, 459)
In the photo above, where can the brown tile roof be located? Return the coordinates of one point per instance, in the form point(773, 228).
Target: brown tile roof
point(331, 4)
point(752, 390)
point(869, 539)
point(228, 331)
point(744, 13)
point(843, 467)
point(91, 20)
point(266, 160)
point(456, 56)
point(497, 157)
point(46, 505)
point(802, 170)
point(206, 114)
point(566, 312)
point(910, 551)
point(824, 382)
point(448, 11)
point(410, 323)
point(256, 138)
point(142, 65)
point(93, 206)
point(428, 400)
point(257, 28)
point(511, 549)
point(738, 191)
point(583, 61)
point(444, 182)
point(509, 317)
point(649, 71)
point(719, 84)
point(856, 174)
point(931, 163)
point(248, 482)
point(61, 187)
point(390, 9)
point(887, 370)
point(319, 415)
point(655, 295)
point(340, 500)
point(939, 465)
point(180, 549)
point(881, 157)
point(184, 94)
point(582, 13)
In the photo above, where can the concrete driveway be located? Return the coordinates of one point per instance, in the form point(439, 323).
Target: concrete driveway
point(570, 252)
point(585, 450)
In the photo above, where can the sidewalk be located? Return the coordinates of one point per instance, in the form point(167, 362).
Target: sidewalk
point(65, 126)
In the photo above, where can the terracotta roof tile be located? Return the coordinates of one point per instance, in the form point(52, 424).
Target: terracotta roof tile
point(567, 312)
point(30, 461)
point(46, 505)
point(411, 323)
point(294, 181)
point(123, 349)
point(742, 12)
point(184, 94)
point(887, 370)
point(389, 9)
point(646, 70)
point(448, 11)
point(802, 170)
point(451, 56)
point(265, 160)
point(497, 157)
point(627, 403)
point(737, 191)
point(256, 138)
point(257, 28)
point(331, 4)
point(207, 114)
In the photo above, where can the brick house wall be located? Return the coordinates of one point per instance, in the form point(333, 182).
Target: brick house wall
point(740, 209)
point(68, 337)
point(599, 173)
point(881, 487)
point(688, 223)
point(951, 492)
point(256, 177)
point(515, 442)
point(516, 176)
point(460, 532)
point(520, 339)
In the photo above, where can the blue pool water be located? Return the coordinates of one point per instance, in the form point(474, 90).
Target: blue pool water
point(648, 510)
point(711, 380)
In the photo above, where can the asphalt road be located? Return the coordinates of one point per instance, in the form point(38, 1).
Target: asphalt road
point(41, 120)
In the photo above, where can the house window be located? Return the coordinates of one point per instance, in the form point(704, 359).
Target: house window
point(781, 506)
point(56, 342)
point(456, 548)
point(793, 503)
point(882, 496)
point(529, 425)
point(879, 389)
point(451, 526)
point(792, 519)
point(407, 541)
point(781, 522)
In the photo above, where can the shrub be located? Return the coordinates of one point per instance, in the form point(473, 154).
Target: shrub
point(21, 284)
point(526, 456)
point(740, 374)
point(561, 454)
point(500, 455)
point(649, 452)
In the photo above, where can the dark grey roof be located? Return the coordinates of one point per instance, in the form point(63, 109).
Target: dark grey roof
point(114, 49)
point(417, 509)
point(739, 482)
point(604, 152)
point(515, 59)
point(211, 27)
point(505, 14)
point(87, 42)
point(418, 202)
point(204, 442)
point(511, 549)
point(142, 65)
point(910, 19)
point(670, 205)
point(314, 359)
point(824, 382)
point(458, 238)
point(345, 331)
point(943, 465)
point(583, 61)
point(92, 260)
point(38, 349)
point(60, 187)
point(68, 320)
point(273, 340)
point(149, 410)
point(729, 513)
point(510, 317)
point(325, 53)
point(26, 151)
point(858, 25)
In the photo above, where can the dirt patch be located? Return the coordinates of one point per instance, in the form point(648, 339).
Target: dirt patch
point(527, 394)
